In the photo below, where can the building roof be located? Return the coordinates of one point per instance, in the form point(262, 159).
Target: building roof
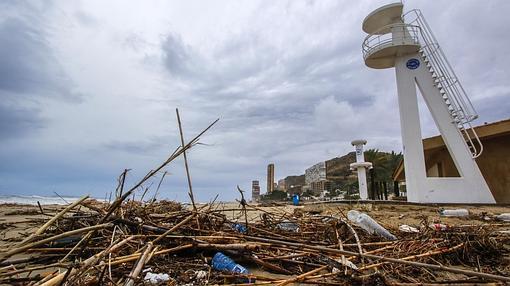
point(485, 131)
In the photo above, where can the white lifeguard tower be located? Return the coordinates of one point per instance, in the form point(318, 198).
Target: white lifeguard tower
point(405, 41)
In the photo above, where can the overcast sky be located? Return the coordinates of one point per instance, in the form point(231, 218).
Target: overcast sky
point(89, 88)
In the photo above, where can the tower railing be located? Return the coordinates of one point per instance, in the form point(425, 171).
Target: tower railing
point(403, 34)
point(455, 97)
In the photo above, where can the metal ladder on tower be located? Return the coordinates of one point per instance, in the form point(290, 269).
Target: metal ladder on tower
point(455, 98)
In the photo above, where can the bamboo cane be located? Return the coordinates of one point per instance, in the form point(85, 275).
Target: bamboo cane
point(426, 254)
point(302, 276)
point(52, 220)
point(393, 260)
point(144, 258)
point(55, 237)
point(57, 280)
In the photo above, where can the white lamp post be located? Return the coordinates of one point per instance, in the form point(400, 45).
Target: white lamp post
point(361, 166)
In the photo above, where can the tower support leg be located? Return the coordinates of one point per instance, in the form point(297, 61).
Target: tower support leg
point(470, 187)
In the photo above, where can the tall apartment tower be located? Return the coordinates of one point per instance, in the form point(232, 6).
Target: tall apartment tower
point(255, 191)
point(270, 178)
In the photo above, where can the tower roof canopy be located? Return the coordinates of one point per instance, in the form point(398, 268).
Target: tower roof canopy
point(383, 16)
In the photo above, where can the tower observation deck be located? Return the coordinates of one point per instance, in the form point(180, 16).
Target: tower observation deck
point(405, 41)
point(389, 37)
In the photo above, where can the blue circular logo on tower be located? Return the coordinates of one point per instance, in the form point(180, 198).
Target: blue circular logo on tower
point(413, 64)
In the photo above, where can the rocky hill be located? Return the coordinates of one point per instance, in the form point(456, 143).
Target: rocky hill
point(337, 169)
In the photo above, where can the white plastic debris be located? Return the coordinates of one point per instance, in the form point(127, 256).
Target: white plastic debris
point(369, 224)
point(156, 278)
point(454, 213)
point(503, 217)
point(288, 226)
point(408, 228)
point(200, 275)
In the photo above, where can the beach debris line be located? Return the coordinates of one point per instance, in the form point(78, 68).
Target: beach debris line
point(160, 243)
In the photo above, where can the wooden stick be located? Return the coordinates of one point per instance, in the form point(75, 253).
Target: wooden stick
point(57, 280)
point(135, 256)
point(172, 157)
point(426, 254)
point(393, 260)
point(233, 246)
point(52, 220)
point(144, 258)
point(302, 276)
point(186, 162)
point(55, 237)
point(268, 265)
point(287, 256)
point(360, 249)
point(374, 251)
point(183, 222)
point(40, 207)
point(6, 274)
point(84, 238)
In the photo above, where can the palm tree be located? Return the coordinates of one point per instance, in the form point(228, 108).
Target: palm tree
point(372, 155)
point(393, 162)
point(383, 166)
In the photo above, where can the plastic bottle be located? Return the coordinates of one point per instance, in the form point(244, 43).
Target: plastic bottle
point(369, 224)
point(222, 262)
point(503, 217)
point(454, 213)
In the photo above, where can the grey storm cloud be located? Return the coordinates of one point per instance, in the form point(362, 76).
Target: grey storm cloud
point(138, 147)
point(28, 65)
point(177, 57)
point(255, 80)
point(30, 72)
point(16, 120)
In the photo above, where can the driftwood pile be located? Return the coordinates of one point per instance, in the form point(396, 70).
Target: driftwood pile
point(124, 241)
point(79, 247)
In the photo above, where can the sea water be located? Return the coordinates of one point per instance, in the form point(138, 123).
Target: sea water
point(33, 199)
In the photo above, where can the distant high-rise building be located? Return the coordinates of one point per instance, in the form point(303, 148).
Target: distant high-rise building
point(270, 178)
point(315, 173)
point(315, 178)
point(255, 191)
